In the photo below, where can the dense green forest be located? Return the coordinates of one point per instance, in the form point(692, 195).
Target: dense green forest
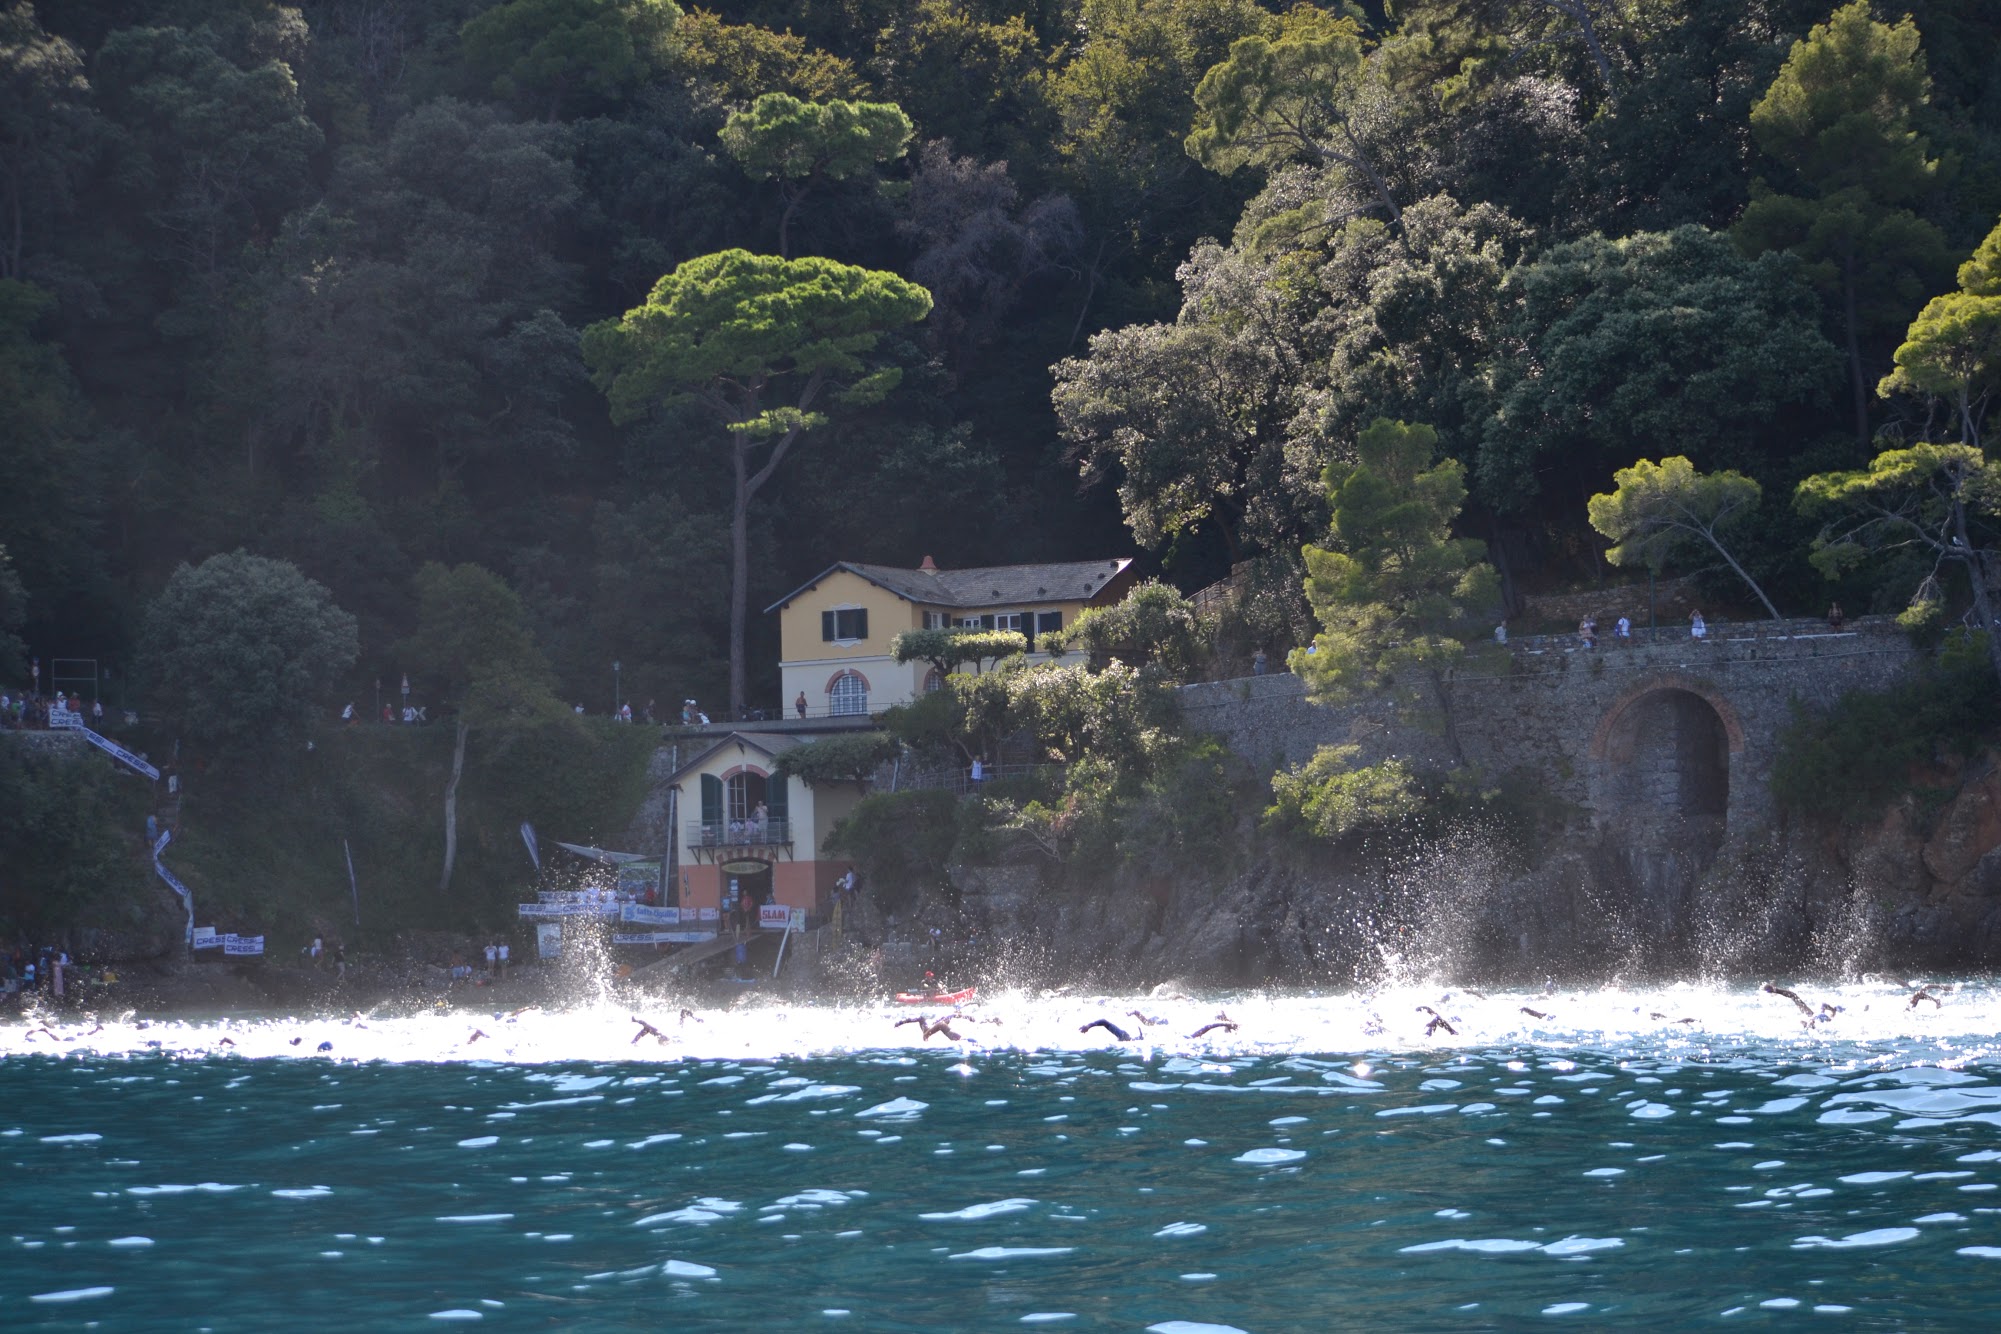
point(314, 281)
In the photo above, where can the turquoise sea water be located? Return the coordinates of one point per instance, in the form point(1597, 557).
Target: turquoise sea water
point(807, 1169)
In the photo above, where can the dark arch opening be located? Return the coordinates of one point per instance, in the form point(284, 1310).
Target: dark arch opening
point(1663, 798)
point(1670, 759)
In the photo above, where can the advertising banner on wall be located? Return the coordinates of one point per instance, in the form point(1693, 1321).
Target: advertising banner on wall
point(650, 915)
point(774, 917)
point(540, 910)
point(549, 940)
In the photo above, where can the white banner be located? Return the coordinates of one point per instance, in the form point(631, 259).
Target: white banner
point(774, 917)
point(649, 915)
point(531, 910)
point(235, 944)
point(662, 937)
point(549, 939)
point(705, 914)
point(205, 938)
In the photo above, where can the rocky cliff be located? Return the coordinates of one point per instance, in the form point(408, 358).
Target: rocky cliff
point(1919, 889)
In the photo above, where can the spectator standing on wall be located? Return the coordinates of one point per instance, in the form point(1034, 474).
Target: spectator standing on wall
point(1623, 631)
point(1258, 663)
point(800, 704)
point(1834, 616)
point(1697, 627)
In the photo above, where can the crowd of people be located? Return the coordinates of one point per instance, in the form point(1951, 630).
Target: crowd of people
point(45, 972)
point(30, 708)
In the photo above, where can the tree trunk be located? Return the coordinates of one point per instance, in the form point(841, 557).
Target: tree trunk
point(1976, 576)
point(1741, 574)
point(1444, 695)
point(1587, 28)
point(452, 805)
point(739, 572)
point(1858, 390)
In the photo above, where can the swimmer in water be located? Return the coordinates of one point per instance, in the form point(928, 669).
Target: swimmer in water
point(477, 1034)
point(930, 1029)
point(1109, 1027)
point(1538, 1014)
point(647, 1030)
point(1222, 1021)
point(1438, 1021)
point(1792, 996)
point(1924, 994)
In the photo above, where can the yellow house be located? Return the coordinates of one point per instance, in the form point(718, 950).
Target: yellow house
point(835, 631)
point(748, 833)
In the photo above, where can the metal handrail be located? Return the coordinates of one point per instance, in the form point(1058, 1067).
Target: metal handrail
point(772, 831)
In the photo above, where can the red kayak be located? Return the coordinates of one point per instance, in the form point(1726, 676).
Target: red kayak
point(934, 997)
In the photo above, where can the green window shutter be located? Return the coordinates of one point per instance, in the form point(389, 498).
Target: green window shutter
point(775, 803)
point(827, 626)
point(712, 799)
point(861, 624)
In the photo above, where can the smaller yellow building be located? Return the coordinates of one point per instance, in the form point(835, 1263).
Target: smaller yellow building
point(749, 834)
point(835, 631)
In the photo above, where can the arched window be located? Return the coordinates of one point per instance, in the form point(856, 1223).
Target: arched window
point(933, 680)
point(847, 695)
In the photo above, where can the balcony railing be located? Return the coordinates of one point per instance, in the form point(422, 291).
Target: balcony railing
point(772, 831)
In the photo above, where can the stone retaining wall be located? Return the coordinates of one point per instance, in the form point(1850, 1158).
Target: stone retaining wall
point(1550, 708)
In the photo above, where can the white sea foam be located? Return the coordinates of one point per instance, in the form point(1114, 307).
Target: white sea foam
point(978, 1211)
point(1875, 1021)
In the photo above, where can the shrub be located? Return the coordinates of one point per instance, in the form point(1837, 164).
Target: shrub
point(1855, 759)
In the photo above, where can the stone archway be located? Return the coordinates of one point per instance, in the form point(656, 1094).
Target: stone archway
point(1661, 759)
point(1606, 736)
point(1665, 756)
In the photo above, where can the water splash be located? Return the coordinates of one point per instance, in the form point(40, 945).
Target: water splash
point(1859, 1022)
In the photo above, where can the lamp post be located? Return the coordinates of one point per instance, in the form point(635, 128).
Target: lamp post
point(376, 717)
point(617, 697)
